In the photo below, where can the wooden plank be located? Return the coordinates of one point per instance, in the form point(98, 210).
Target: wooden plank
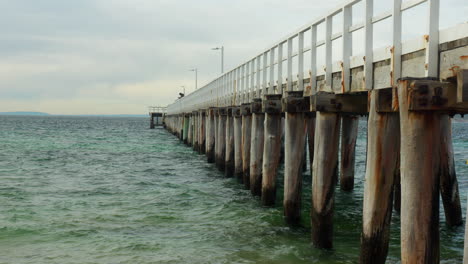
point(355, 103)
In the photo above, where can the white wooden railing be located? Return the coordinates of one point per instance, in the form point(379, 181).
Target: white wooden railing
point(263, 74)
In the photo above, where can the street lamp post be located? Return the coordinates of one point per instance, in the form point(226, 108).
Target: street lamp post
point(222, 57)
point(196, 76)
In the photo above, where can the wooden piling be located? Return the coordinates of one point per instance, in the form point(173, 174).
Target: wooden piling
point(349, 133)
point(256, 147)
point(272, 147)
point(448, 177)
point(196, 128)
point(304, 157)
point(294, 106)
point(383, 147)
point(221, 139)
point(210, 135)
point(237, 143)
point(229, 157)
point(465, 250)
point(397, 190)
point(202, 137)
point(151, 121)
point(420, 161)
point(185, 133)
point(324, 171)
point(311, 137)
point(246, 140)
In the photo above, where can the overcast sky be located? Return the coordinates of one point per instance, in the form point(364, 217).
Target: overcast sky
point(120, 56)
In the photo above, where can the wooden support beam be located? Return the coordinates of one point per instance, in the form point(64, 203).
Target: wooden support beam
point(420, 161)
point(202, 137)
point(295, 106)
point(246, 141)
point(186, 120)
point(190, 130)
point(271, 105)
point(397, 189)
point(229, 158)
point(237, 143)
point(462, 86)
point(216, 144)
point(210, 135)
point(256, 147)
point(348, 146)
point(311, 138)
point(430, 95)
point(151, 122)
point(181, 126)
point(353, 103)
point(196, 127)
point(383, 147)
point(387, 100)
point(448, 177)
point(221, 139)
point(465, 249)
point(325, 174)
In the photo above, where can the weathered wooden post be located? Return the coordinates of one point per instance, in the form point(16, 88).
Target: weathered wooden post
point(349, 133)
point(294, 105)
point(465, 249)
point(448, 176)
point(151, 121)
point(383, 147)
point(246, 141)
point(202, 139)
point(324, 171)
point(237, 143)
point(271, 106)
point(196, 127)
point(229, 159)
point(181, 124)
point(221, 139)
point(311, 137)
point(186, 120)
point(420, 163)
point(256, 147)
point(210, 135)
point(190, 130)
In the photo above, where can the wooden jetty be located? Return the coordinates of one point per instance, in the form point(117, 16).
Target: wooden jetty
point(157, 116)
point(408, 92)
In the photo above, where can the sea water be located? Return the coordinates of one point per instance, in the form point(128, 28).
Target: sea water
point(110, 190)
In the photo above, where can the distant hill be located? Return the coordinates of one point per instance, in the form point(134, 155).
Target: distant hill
point(25, 113)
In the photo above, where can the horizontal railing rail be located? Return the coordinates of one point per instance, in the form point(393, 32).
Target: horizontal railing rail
point(157, 109)
point(271, 71)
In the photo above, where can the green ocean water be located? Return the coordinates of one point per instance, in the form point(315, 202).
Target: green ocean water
point(110, 190)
